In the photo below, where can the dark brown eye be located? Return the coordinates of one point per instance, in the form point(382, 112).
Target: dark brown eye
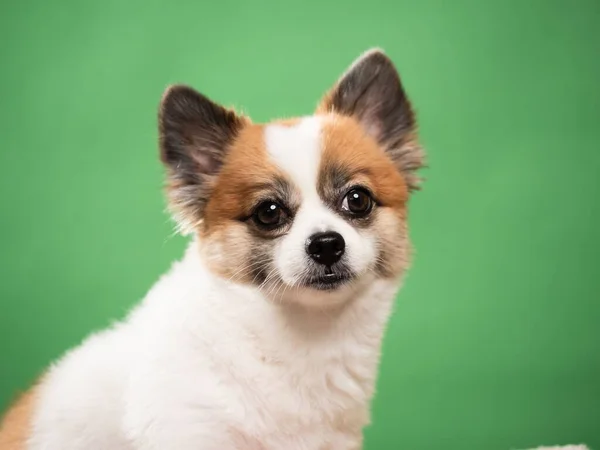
point(268, 215)
point(358, 202)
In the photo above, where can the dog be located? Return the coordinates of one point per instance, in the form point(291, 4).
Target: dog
point(267, 333)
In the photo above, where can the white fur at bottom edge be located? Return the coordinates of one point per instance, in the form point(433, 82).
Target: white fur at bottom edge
point(205, 364)
point(566, 447)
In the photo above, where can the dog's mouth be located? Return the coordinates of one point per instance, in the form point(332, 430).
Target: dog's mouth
point(328, 281)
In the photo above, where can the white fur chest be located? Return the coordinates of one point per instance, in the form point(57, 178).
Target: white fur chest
point(219, 364)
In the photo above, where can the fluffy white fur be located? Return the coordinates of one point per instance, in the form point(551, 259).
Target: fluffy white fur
point(568, 447)
point(204, 363)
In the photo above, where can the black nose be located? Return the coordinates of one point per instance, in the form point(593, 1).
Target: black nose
point(326, 248)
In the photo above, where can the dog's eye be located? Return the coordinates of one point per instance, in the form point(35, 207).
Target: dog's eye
point(357, 202)
point(269, 215)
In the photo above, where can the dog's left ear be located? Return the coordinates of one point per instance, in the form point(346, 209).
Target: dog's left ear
point(371, 92)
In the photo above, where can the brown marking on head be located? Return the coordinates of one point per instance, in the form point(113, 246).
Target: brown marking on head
point(351, 158)
point(15, 427)
point(350, 154)
point(246, 178)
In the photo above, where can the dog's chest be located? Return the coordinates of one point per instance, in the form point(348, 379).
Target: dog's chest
point(266, 380)
point(309, 401)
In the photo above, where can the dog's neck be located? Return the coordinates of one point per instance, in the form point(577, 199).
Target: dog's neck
point(284, 327)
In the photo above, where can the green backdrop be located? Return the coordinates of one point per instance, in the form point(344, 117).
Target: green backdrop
point(495, 342)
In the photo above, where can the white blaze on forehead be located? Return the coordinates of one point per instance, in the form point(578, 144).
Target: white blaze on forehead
point(297, 151)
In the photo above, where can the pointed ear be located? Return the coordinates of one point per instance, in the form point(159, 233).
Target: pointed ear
point(195, 134)
point(371, 92)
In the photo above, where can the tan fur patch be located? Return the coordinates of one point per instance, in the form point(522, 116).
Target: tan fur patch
point(350, 155)
point(15, 427)
point(287, 122)
point(246, 173)
point(246, 178)
point(346, 144)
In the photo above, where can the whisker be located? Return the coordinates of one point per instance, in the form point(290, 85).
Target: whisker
point(243, 267)
point(267, 279)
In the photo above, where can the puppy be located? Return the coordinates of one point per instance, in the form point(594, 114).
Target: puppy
point(267, 334)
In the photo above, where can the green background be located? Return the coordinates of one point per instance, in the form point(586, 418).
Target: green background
point(495, 343)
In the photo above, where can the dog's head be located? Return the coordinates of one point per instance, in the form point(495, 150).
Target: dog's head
point(305, 209)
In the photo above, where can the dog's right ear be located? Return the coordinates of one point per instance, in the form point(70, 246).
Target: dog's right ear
point(195, 134)
point(371, 92)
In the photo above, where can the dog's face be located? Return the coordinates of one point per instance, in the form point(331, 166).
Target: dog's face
point(309, 209)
